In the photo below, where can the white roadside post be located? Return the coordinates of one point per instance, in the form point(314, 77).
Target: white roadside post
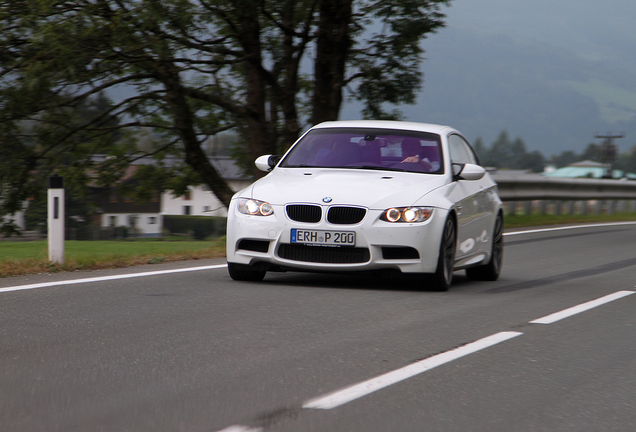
point(56, 219)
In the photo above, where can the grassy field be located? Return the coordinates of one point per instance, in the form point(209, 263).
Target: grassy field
point(616, 103)
point(20, 258)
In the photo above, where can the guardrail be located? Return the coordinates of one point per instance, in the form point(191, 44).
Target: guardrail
point(556, 195)
point(554, 188)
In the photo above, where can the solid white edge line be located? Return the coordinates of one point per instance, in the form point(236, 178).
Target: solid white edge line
point(569, 227)
point(348, 394)
point(108, 278)
point(557, 316)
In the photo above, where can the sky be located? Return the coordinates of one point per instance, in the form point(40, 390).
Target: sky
point(488, 44)
point(592, 29)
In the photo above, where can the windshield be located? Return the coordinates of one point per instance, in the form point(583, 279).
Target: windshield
point(384, 149)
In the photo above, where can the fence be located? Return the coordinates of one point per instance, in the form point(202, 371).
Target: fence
point(199, 227)
point(194, 227)
point(534, 193)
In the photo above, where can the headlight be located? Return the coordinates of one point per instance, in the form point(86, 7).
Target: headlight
point(407, 214)
point(254, 207)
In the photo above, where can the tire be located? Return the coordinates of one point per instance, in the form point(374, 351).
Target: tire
point(240, 272)
point(442, 279)
point(491, 271)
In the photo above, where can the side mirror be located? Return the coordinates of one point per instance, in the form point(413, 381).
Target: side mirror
point(267, 162)
point(467, 171)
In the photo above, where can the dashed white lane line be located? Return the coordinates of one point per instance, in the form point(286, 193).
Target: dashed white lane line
point(239, 428)
point(356, 391)
point(341, 397)
point(557, 316)
point(108, 278)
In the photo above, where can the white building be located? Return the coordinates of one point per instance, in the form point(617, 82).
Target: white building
point(147, 218)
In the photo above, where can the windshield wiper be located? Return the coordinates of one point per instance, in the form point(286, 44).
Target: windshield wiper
point(364, 167)
point(369, 167)
point(304, 166)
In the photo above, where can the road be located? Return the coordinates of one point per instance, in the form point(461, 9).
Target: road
point(195, 351)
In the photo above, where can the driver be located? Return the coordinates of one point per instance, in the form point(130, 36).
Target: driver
point(415, 153)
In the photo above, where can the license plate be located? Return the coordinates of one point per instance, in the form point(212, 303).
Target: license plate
point(323, 238)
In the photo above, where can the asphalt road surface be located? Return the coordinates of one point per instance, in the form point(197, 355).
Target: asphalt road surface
point(551, 346)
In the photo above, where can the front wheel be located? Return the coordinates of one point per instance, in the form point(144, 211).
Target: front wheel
point(442, 279)
point(240, 272)
point(491, 271)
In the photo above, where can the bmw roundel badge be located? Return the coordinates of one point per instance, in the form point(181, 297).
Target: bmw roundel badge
point(327, 200)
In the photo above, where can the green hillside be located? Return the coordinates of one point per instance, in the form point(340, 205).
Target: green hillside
point(616, 103)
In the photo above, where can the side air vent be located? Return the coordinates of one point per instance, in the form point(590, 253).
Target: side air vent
point(399, 253)
point(345, 215)
point(304, 213)
point(254, 245)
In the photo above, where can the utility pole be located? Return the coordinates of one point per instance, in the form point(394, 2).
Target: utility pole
point(608, 152)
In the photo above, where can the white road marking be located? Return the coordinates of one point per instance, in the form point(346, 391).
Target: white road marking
point(341, 397)
point(108, 278)
point(239, 428)
point(568, 228)
point(552, 318)
point(356, 391)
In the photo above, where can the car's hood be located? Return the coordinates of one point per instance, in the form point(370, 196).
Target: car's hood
point(367, 188)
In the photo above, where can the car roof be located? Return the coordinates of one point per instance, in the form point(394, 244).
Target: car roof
point(387, 124)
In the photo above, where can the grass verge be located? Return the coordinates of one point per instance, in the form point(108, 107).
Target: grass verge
point(21, 258)
point(522, 221)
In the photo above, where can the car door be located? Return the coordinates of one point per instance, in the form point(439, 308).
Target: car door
point(473, 211)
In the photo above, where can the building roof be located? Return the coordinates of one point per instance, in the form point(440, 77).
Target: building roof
point(587, 164)
point(582, 172)
point(587, 169)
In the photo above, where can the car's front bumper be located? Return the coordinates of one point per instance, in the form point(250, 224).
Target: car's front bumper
point(266, 241)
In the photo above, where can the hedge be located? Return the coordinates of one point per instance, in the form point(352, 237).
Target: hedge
point(199, 227)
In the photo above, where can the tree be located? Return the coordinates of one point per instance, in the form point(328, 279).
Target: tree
point(480, 149)
point(27, 160)
point(193, 69)
point(512, 155)
point(592, 152)
point(564, 159)
point(533, 161)
point(500, 152)
point(627, 161)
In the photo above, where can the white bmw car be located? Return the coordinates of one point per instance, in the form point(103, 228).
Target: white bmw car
point(370, 195)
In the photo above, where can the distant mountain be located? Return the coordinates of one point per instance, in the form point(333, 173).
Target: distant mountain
point(554, 100)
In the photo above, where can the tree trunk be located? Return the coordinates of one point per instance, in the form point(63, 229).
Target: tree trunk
point(194, 155)
point(332, 50)
point(261, 140)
